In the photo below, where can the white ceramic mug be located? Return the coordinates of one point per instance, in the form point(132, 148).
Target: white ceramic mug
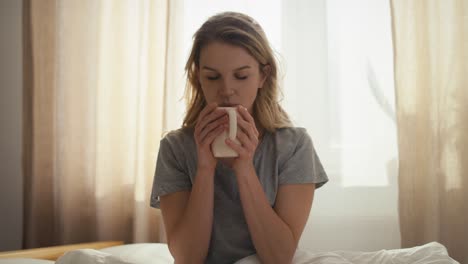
point(219, 147)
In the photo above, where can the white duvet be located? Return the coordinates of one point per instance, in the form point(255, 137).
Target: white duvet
point(430, 253)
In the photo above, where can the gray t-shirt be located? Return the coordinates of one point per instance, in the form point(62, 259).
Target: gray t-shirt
point(284, 157)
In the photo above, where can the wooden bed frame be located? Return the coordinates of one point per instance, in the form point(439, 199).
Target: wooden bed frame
point(53, 253)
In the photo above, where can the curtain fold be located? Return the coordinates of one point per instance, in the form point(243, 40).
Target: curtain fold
point(431, 73)
point(95, 85)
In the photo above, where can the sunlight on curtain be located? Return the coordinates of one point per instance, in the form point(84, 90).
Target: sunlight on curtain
point(106, 83)
point(108, 100)
point(129, 103)
point(431, 66)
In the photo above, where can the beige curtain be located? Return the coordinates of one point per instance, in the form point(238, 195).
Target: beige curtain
point(431, 72)
point(95, 100)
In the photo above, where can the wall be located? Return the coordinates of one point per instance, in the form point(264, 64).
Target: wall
point(11, 125)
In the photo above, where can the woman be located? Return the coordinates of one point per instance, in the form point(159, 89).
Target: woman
point(221, 210)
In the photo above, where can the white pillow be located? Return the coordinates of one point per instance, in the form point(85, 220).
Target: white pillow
point(142, 253)
point(89, 256)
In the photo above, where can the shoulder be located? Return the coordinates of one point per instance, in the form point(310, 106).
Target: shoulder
point(292, 141)
point(180, 135)
point(178, 140)
point(291, 131)
point(291, 136)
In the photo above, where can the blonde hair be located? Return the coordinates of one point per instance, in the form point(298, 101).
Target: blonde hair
point(243, 31)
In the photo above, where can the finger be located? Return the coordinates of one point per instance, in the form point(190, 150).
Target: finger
point(207, 118)
point(245, 115)
point(248, 128)
point(211, 117)
point(245, 141)
point(236, 147)
point(206, 110)
point(209, 138)
point(222, 121)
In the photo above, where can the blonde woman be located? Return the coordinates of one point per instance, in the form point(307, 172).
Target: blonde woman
point(220, 210)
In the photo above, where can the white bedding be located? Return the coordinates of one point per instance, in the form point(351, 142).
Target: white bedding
point(158, 253)
point(427, 254)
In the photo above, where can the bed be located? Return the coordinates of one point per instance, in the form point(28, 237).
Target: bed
point(116, 252)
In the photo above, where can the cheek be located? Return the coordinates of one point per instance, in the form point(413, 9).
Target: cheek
point(249, 92)
point(209, 92)
point(252, 87)
point(256, 81)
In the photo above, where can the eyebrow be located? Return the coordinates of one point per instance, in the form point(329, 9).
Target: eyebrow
point(238, 69)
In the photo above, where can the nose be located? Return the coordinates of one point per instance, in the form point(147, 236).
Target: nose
point(226, 89)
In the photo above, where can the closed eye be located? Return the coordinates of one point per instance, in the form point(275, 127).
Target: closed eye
point(214, 78)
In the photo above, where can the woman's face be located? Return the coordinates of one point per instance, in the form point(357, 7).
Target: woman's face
point(229, 75)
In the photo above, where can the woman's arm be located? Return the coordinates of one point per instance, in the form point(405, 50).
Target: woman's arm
point(275, 232)
point(188, 216)
point(188, 219)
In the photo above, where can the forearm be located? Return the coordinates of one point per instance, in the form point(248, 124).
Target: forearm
point(273, 239)
point(191, 237)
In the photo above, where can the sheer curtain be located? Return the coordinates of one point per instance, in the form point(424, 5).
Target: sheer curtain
point(96, 105)
point(337, 64)
point(339, 85)
point(431, 66)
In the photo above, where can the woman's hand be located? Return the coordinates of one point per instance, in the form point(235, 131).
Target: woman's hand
point(211, 122)
point(247, 134)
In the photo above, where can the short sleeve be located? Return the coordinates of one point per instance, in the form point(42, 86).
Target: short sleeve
point(170, 176)
point(302, 164)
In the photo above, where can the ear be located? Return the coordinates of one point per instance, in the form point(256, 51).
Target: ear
point(266, 70)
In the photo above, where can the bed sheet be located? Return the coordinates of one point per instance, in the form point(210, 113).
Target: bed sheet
point(430, 253)
point(155, 253)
